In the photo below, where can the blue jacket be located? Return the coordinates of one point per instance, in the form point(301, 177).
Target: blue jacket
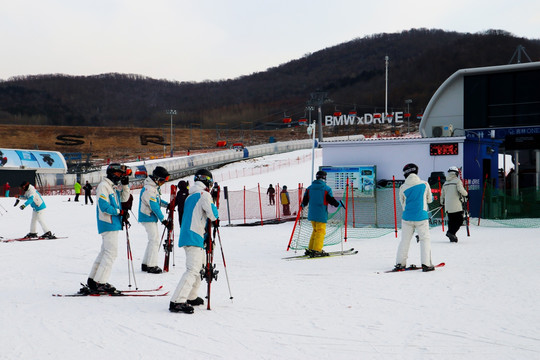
point(34, 199)
point(318, 195)
point(197, 209)
point(109, 204)
point(150, 202)
point(415, 195)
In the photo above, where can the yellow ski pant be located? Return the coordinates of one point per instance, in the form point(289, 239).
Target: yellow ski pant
point(316, 241)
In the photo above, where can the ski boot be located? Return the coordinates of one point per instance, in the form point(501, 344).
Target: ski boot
point(47, 235)
point(318, 253)
point(153, 270)
point(452, 237)
point(106, 289)
point(30, 235)
point(426, 268)
point(308, 252)
point(195, 302)
point(399, 267)
point(180, 307)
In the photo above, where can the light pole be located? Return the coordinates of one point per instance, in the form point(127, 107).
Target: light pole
point(386, 58)
point(408, 102)
point(171, 112)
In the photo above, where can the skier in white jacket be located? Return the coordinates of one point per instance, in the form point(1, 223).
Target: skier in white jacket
point(414, 195)
point(453, 195)
point(150, 213)
point(198, 208)
point(111, 192)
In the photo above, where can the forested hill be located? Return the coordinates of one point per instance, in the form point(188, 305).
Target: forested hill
point(351, 73)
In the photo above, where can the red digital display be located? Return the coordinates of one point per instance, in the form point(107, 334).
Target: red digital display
point(443, 149)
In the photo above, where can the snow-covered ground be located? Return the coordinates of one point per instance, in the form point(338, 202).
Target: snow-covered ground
point(483, 305)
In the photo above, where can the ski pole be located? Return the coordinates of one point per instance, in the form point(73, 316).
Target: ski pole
point(130, 261)
point(3, 207)
point(224, 264)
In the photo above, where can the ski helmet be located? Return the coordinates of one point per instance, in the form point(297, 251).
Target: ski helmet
point(321, 175)
point(160, 174)
point(113, 170)
point(285, 187)
point(205, 177)
point(25, 185)
point(453, 169)
point(410, 169)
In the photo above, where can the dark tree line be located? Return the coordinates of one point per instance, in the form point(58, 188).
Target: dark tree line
point(352, 73)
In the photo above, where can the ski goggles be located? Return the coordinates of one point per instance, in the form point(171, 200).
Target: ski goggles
point(205, 179)
point(163, 179)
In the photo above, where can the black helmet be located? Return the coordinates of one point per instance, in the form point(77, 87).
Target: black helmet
point(410, 169)
point(321, 175)
point(25, 185)
point(284, 187)
point(113, 170)
point(205, 177)
point(160, 174)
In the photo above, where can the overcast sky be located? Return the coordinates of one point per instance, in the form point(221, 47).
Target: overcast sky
point(196, 40)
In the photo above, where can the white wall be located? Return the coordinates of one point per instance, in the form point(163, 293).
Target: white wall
point(391, 155)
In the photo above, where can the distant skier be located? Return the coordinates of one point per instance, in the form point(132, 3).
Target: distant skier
point(453, 195)
point(6, 189)
point(216, 190)
point(150, 204)
point(285, 201)
point(182, 193)
point(198, 208)
point(414, 195)
point(77, 188)
point(271, 192)
point(318, 195)
point(34, 199)
point(88, 193)
point(111, 192)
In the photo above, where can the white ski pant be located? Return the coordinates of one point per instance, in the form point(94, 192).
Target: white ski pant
point(407, 232)
point(38, 216)
point(101, 270)
point(150, 258)
point(189, 284)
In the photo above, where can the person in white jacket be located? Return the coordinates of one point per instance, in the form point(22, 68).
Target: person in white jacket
point(150, 204)
point(198, 208)
point(33, 198)
point(111, 192)
point(453, 194)
point(414, 195)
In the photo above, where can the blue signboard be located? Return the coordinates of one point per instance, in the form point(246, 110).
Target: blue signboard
point(361, 179)
point(50, 161)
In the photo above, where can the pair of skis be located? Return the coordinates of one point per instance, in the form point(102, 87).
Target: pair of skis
point(138, 293)
point(209, 271)
point(413, 267)
point(169, 242)
point(329, 254)
point(32, 239)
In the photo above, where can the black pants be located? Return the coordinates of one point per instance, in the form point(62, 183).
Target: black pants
point(455, 220)
point(77, 197)
point(88, 197)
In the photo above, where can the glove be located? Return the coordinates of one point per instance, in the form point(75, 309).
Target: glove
point(215, 223)
point(168, 224)
point(22, 207)
point(121, 213)
point(124, 180)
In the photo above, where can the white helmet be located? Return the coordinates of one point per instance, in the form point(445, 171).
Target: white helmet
point(453, 169)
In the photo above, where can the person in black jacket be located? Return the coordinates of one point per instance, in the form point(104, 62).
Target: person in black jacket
point(181, 194)
point(87, 193)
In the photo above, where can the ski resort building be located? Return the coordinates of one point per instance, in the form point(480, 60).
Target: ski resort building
point(485, 120)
